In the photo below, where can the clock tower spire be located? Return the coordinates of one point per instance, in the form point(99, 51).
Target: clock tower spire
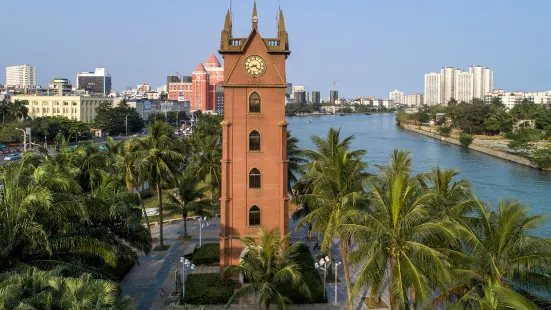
point(254, 137)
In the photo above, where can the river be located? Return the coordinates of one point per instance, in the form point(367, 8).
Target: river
point(492, 178)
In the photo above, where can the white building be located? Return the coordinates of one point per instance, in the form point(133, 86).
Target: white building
point(80, 108)
point(397, 97)
point(414, 100)
point(24, 76)
point(483, 81)
point(447, 84)
point(463, 86)
point(432, 89)
point(96, 82)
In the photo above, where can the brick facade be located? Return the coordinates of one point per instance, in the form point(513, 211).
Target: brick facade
point(237, 198)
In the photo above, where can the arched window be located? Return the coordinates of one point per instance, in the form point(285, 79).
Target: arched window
point(255, 178)
point(254, 141)
point(254, 216)
point(254, 103)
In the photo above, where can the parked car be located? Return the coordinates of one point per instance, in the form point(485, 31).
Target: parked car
point(15, 156)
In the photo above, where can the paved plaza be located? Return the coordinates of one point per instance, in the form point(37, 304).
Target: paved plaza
point(155, 271)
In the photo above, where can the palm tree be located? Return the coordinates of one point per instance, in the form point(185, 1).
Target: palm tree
point(296, 159)
point(337, 175)
point(268, 265)
point(159, 160)
point(394, 237)
point(133, 179)
point(32, 288)
point(188, 197)
point(501, 253)
point(451, 198)
point(17, 110)
point(300, 191)
point(205, 159)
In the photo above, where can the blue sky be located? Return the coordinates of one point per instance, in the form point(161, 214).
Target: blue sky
point(369, 46)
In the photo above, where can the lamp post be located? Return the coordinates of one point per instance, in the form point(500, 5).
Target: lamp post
point(323, 264)
point(126, 124)
point(185, 264)
point(201, 225)
point(336, 303)
point(24, 139)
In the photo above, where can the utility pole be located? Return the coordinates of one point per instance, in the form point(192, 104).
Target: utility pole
point(126, 122)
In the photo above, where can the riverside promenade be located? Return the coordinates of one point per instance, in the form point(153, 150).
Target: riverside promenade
point(486, 147)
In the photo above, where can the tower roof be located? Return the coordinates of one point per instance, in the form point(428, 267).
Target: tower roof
point(228, 22)
point(281, 25)
point(212, 61)
point(200, 68)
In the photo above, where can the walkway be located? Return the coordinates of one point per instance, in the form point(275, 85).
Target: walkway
point(156, 270)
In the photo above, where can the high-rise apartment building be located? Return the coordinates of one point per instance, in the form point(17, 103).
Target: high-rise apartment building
point(414, 100)
point(24, 76)
point(432, 89)
point(289, 90)
point(447, 84)
point(97, 82)
point(333, 96)
point(316, 100)
point(396, 96)
point(300, 97)
point(483, 81)
point(463, 87)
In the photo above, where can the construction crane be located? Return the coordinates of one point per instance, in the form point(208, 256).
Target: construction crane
point(335, 85)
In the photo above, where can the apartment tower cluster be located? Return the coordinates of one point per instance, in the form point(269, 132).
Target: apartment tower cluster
point(452, 83)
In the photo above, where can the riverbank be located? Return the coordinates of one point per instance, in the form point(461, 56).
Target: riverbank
point(477, 145)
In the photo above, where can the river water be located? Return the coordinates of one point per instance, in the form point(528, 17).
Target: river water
point(492, 178)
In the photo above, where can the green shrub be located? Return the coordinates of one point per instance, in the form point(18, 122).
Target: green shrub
point(207, 289)
point(541, 157)
point(207, 254)
point(310, 276)
point(466, 139)
point(444, 131)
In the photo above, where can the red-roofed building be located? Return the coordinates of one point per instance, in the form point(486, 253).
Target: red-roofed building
point(204, 91)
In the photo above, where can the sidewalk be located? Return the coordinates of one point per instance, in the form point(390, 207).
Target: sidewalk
point(156, 270)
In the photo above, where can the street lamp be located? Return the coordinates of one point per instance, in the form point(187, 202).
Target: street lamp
point(24, 139)
point(126, 123)
point(323, 264)
point(336, 304)
point(186, 264)
point(201, 225)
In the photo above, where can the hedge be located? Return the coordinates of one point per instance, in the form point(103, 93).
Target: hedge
point(310, 276)
point(209, 253)
point(207, 289)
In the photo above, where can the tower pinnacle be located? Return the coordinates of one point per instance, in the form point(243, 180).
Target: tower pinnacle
point(255, 15)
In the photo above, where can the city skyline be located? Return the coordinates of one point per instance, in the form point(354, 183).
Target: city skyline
point(136, 52)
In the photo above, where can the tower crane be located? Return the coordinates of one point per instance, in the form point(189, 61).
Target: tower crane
point(335, 85)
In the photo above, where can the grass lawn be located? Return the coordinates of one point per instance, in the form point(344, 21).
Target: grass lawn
point(161, 248)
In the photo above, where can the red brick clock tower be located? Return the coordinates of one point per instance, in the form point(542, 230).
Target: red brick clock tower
point(254, 137)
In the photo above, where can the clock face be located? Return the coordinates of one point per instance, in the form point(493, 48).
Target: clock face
point(254, 65)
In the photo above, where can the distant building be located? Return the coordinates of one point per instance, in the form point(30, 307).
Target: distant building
point(414, 100)
point(201, 88)
point(316, 100)
point(21, 77)
point(483, 81)
point(333, 96)
point(173, 79)
point(432, 89)
point(97, 82)
point(80, 108)
point(146, 107)
point(61, 87)
point(289, 90)
point(463, 87)
point(300, 97)
point(396, 96)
